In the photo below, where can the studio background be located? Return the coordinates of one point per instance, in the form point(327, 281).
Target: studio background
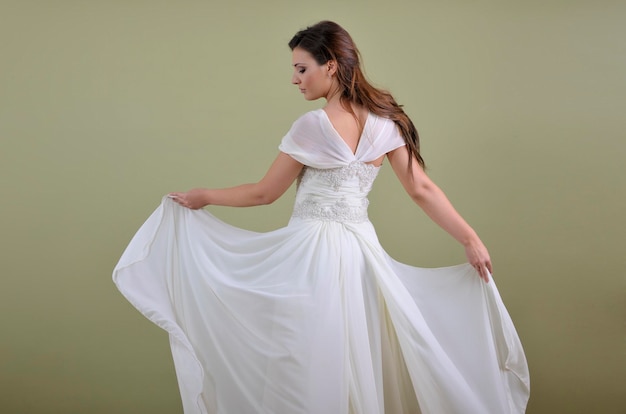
point(105, 106)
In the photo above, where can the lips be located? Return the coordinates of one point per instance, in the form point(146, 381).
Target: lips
point(302, 90)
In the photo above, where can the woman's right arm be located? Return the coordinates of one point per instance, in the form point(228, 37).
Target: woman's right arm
point(281, 174)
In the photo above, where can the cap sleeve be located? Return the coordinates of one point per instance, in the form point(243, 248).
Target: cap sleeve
point(307, 143)
point(294, 143)
point(382, 137)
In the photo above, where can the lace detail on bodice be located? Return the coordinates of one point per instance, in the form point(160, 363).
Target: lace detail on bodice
point(335, 177)
point(335, 194)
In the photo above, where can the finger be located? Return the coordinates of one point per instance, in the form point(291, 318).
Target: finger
point(482, 272)
point(177, 199)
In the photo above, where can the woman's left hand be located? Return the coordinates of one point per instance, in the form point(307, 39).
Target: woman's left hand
point(478, 257)
point(193, 199)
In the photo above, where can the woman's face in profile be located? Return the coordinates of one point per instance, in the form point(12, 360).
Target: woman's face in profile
point(313, 80)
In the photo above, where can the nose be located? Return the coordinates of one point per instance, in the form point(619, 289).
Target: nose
point(295, 79)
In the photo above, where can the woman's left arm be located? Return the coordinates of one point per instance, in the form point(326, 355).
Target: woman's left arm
point(425, 193)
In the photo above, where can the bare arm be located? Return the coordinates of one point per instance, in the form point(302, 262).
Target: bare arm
point(281, 174)
point(436, 205)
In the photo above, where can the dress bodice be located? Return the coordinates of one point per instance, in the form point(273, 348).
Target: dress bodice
point(335, 194)
point(335, 181)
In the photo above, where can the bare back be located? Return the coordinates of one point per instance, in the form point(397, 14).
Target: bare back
point(347, 126)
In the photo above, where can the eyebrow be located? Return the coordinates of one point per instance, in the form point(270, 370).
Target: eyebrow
point(301, 64)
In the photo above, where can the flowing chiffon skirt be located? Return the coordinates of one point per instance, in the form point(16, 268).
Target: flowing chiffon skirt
point(317, 318)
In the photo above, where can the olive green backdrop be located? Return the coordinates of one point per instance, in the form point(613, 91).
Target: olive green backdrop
point(105, 106)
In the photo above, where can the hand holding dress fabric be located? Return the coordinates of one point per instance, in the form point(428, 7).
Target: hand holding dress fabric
point(478, 257)
point(193, 199)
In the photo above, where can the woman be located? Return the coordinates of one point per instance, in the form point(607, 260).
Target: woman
point(316, 317)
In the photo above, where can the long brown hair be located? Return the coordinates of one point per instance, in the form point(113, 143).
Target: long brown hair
point(326, 41)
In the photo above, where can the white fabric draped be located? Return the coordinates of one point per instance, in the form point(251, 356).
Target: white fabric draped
point(316, 317)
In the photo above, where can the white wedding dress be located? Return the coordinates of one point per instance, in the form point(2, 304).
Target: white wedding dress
point(315, 317)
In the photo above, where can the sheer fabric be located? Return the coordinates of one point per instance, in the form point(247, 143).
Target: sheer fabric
point(316, 317)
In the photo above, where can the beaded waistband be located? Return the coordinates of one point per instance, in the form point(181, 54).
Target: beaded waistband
point(340, 211)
